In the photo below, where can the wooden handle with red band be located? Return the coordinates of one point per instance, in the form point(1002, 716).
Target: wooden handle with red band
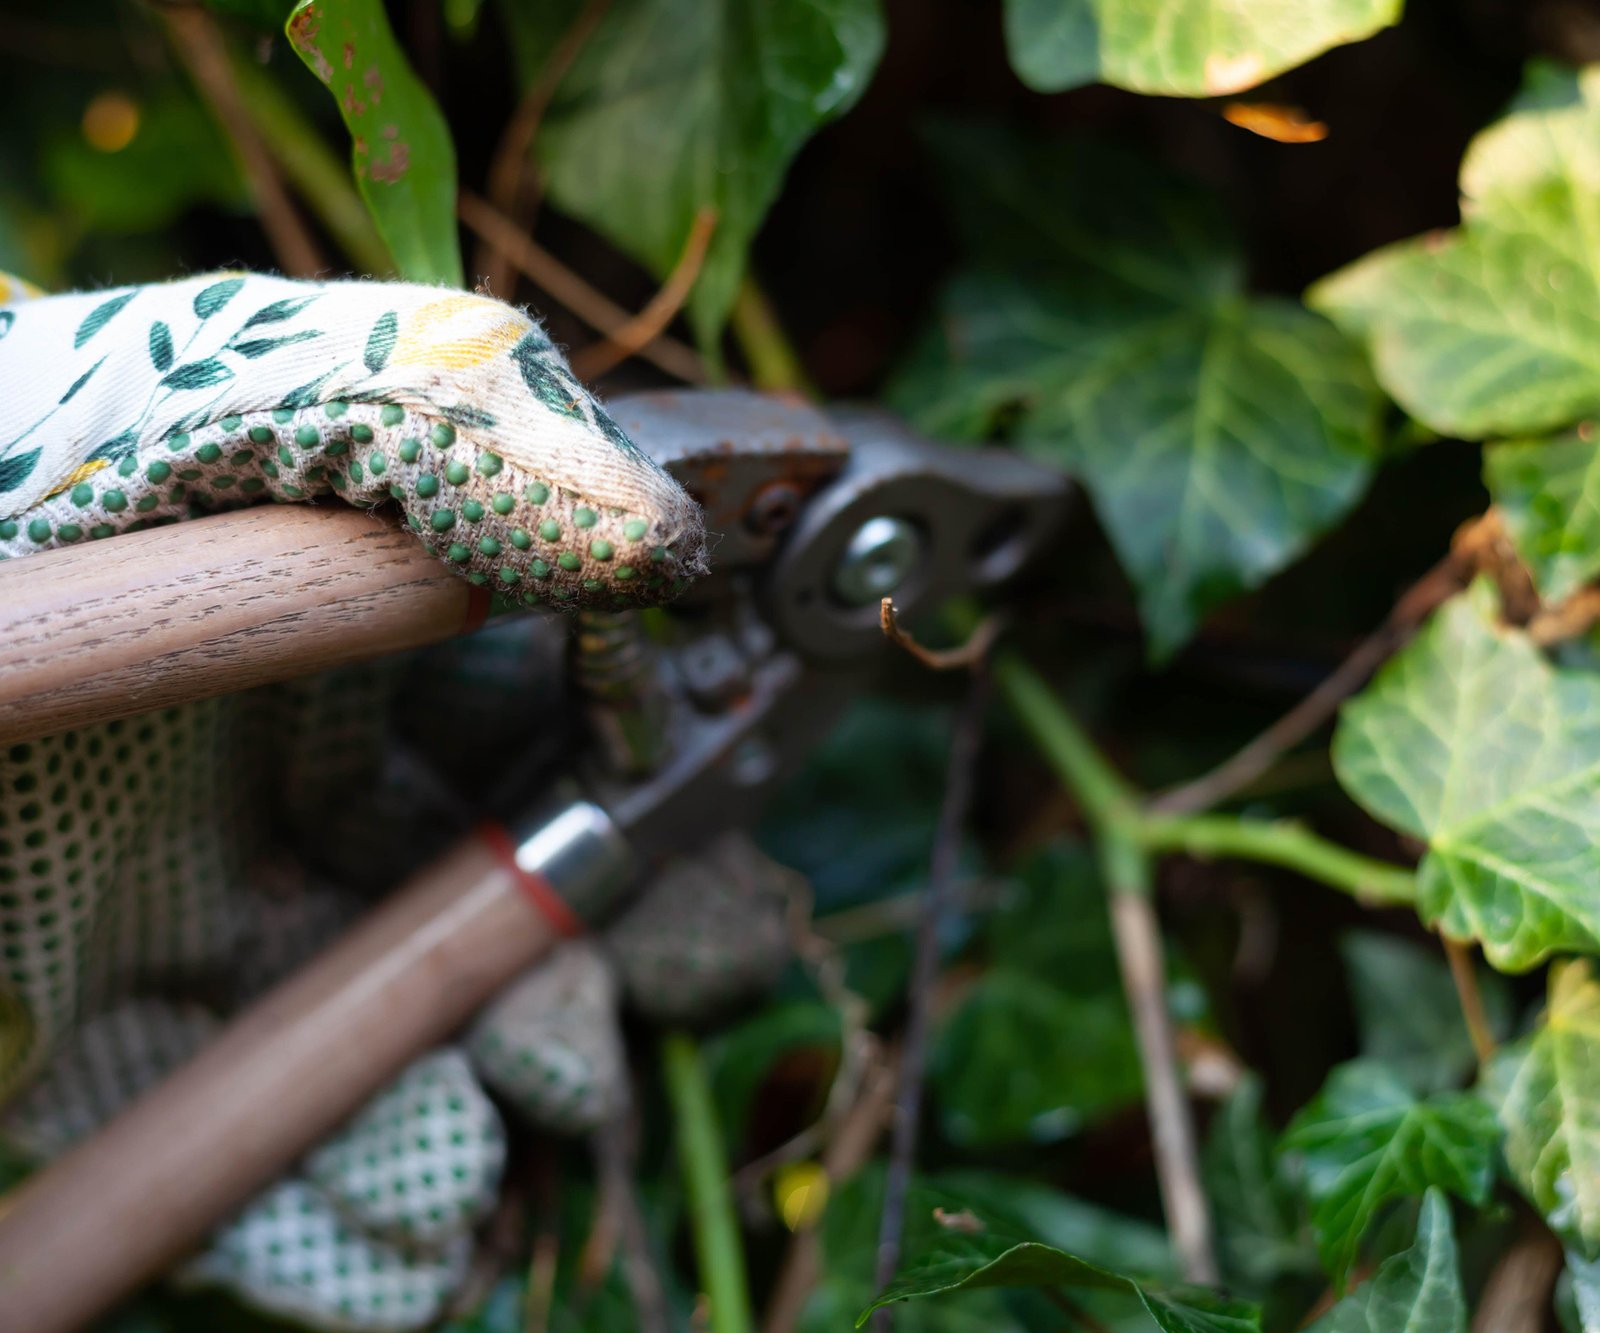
point(145, 1191)
point(108, 629)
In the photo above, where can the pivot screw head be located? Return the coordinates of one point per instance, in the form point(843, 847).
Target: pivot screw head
point(876, 561)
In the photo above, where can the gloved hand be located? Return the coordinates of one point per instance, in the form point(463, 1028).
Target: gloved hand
point(134, 856)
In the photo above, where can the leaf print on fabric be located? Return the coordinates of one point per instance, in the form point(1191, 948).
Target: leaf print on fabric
point(99, 317)
point(554, 388)
point(469, 417)
point(211, 299)
point(15, 471)
point(380, 342)
point(7, 319)
point(81, 381)
point(197, 375)
point(279, 311)
point(255, 347)
point(118, 446)
point(308, 393)
point(160, 346)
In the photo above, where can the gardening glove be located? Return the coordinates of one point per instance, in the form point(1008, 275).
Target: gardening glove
point(137, 857)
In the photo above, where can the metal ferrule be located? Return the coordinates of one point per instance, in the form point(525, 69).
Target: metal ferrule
point(577, 848)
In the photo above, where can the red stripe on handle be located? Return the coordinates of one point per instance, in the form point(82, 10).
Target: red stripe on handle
point(535, 887)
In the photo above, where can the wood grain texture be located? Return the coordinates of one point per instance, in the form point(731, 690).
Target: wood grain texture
point(146, 1190)
point(218, 604)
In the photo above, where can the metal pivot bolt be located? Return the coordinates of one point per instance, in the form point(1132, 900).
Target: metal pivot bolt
point(877, 560)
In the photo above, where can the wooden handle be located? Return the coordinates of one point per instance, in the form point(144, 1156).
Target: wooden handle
point(110, 629)
point(134, 1199)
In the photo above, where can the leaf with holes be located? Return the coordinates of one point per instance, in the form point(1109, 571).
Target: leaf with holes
point(1548, 492)
point(1547, 1090)
point(1366, 1139)
point(678, 105)
point(1108, 331)
point(404, 162)
point(1186, 48)
point(1417, 1291)
point(1494, 328)
point(1470, 740)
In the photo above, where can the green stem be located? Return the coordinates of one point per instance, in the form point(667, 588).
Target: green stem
point(767, 351)
point(315, 171)
point(705, 1177)
point(1283, 843)
point(1111, 807)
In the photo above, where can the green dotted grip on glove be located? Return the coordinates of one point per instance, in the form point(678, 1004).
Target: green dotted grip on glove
point(152, 404)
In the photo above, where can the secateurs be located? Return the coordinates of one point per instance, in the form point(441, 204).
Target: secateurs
point(813, 518)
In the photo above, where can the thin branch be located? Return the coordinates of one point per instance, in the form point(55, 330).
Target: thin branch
point(199, 46)
point(590, 363)
point(963, 656)
point(772, 360)
point(597, 310)
point(1517, 1295)
point(847, 1153)
point(959, 782)
point(1139, 955)
point(1235, 774)
point(508, 169)
point(1465, 977)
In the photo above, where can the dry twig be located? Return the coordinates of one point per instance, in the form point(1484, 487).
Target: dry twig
point(967, 655)
point(597, 310)
point(1234, 774)
point(1465, 977)
point(199, 46)
point(590, 363)
point(1516, 1298)
point(925, 966)
point(508, 170)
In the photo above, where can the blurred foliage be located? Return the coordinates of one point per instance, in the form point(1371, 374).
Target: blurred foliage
point(1113, 283)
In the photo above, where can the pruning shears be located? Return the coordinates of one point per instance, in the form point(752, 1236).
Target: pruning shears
point(693, 721)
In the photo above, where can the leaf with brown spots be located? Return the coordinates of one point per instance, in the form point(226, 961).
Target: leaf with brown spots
point(404, 162)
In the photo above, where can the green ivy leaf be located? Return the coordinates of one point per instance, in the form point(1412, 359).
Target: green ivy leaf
point(679, 105)
point(1366, 1139)
point(1470, 740)
point(1408, 1012)
point(404, 162)
point(1260, 1227)
point(1547, 1091)
point(1418, 1291)
point(1490, 329)
point(1184, 48)
point(1021, 1061)
point(1548, 492)
point(982, 1251)
point(1107, 330)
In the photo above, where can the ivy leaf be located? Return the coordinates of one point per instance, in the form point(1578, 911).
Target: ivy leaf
point(1108, 331)
point(1470, 740)
point(1548, 492)
point(1547, 1091)
point(1184, 48)
point(1418, 1291)
point(1489, 329)
point(981, 1250)
point(1022, 1061)
point(402, 156)
point(1366, 1140)
point(678, 105)
point(1408, 1012)
point(160, 345)
point(1259, 1225)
